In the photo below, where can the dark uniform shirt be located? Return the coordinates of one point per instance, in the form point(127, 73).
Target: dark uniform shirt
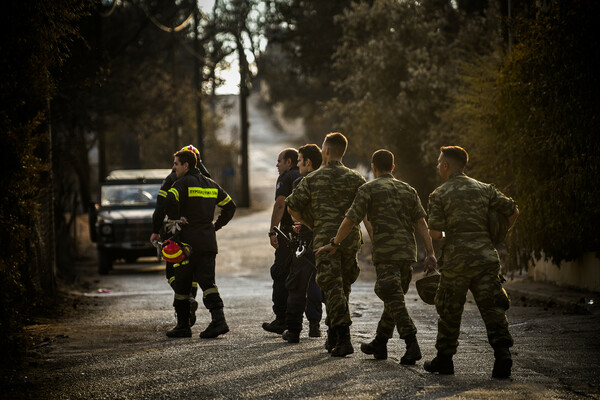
point(305, 234)
point(194, 197)
point(324, 195)
point(284, 188)
point(392, 207)
point(160, 211)
point(460, 207)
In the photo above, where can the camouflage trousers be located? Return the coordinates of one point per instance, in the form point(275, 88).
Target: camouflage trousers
point(391, 285)
point(491, 299)
point(335, 276)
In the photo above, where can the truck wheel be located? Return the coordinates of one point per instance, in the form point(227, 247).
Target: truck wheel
point(104, 262)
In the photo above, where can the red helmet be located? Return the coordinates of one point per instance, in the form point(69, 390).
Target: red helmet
point(172, 252)
point(191, 148)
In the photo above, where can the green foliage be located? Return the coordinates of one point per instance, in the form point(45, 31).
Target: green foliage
point(34, 40)
point(397, 66)
point(533, 127)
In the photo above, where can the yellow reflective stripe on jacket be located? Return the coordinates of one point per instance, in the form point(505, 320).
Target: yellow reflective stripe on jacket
point(225, 201)
point(162, 193)
point(181, 296)
point(171, 279)
point(202, 192)
point(175, 192)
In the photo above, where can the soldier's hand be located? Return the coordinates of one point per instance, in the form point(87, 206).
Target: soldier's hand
point(184, 220)
point(274, 241)
point(430, 264)
point(328, 248)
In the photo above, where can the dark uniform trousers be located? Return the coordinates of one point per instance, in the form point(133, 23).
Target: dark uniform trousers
point(392, 284)
point(304, 295)
point(279, 272)
point(491, 299)
point(200, 267)
point(335, 276)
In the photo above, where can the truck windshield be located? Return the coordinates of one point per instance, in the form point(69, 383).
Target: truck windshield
point(129, 195)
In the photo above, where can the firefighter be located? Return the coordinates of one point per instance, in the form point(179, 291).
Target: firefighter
point(159, 233)
point(192, 199)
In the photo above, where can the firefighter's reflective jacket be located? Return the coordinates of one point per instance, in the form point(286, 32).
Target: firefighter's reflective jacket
point(195, 197)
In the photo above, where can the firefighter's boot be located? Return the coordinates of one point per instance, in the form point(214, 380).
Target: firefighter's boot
point(377, 347)
point(413, 352)
point(217, 326)
point(193, 308)
point(182, 309)
point(441, 364)
point(331, 339)
point(278, 325)
point(502, 364)
point(343, 346)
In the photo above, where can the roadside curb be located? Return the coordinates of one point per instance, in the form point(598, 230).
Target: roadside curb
point(570, 301)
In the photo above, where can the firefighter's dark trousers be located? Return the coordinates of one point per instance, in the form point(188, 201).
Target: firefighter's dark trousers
point(200, 266)
point(170, 273)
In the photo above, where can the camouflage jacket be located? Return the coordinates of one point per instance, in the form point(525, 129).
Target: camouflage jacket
point(325, 195)
point(459, 207)
point(392, 207)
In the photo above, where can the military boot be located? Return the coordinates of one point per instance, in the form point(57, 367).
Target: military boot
point(441, 364)
point(413, 352)
point(331, 339)
point(291, 337)
point(377, 347)
point(343, 346)
point(502, 364)
point(278, 325)
point(193, 308)
point(314, 330)
point(217, 326)
point(182, 309)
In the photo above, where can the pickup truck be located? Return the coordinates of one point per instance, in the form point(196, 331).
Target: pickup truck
point(121, 221)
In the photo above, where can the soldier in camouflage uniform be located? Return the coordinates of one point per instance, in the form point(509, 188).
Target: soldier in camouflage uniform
point(320, 202)
point(394, 210)
point(459, 208)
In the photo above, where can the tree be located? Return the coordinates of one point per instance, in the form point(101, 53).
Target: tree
point(297, 66)
point(36, 38)
point(537, 128)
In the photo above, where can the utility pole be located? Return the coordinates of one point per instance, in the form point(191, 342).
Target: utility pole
point(245, 192)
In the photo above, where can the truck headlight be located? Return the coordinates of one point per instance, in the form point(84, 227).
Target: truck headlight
point(106, 229)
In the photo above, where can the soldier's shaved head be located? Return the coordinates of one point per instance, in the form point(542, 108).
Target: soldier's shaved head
point(337, 143)
point(456, 155)
point(383, 160)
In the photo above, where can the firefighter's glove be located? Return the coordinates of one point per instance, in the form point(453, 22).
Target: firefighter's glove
point(174, 225)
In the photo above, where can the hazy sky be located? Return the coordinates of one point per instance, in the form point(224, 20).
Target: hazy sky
point(231, 75)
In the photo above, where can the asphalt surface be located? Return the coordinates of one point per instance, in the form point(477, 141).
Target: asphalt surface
point(110, 343)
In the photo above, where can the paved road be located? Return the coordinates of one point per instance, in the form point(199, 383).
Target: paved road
point(112, 344)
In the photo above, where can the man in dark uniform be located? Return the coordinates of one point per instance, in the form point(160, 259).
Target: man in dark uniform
point(459, 207)
point(304, 295)
point(193, 198)
point(320, 202)
point(159, 233)
point(288, 173)
point(395, 212)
